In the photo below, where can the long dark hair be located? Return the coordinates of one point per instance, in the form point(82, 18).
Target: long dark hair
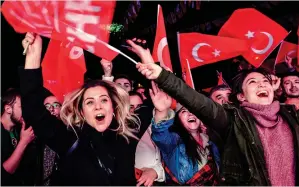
point(190, 143)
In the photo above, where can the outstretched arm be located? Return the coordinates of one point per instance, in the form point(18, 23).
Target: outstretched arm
point(208, 111)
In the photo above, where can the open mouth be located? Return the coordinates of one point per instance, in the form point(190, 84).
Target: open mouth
point(191, 120)
point(100, 117)
point(262, 94)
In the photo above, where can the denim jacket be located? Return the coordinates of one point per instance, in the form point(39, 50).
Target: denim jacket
point(173, 150)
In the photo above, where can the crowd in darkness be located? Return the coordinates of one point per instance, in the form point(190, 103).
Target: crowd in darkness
point(108, 132)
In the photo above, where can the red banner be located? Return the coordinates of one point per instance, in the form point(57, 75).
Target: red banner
point(262, 33)
point(186, 73)
point(85, 23)
point(202, 49)
point(161, 50)
point(286, 48)
point(63, 68)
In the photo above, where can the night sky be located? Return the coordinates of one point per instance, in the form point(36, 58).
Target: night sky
point(285, 13)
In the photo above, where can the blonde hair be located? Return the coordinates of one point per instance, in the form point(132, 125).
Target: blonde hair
point(128, 124)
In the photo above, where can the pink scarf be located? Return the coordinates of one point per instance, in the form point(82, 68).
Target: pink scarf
point(277, 141)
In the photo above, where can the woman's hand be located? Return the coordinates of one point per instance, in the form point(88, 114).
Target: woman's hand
point(150, 70)
point(144, 54)
point(107, 67)
point(161, 100)
point(33, 43)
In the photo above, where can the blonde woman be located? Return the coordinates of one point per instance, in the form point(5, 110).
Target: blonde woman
point(96, 137)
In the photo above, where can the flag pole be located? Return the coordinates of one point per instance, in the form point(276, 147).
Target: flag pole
point(116, 50)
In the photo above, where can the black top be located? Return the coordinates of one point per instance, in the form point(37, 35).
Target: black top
point(99, 159)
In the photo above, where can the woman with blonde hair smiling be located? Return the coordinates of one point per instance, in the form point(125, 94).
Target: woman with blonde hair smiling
point(100, 148)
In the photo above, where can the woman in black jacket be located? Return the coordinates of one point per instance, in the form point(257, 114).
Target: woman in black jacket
point(261, 136)
point(96, 137)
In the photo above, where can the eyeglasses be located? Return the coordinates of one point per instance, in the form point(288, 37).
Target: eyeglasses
point(55, 105)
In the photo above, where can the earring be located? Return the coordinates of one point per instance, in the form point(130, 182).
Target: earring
point(113, 114)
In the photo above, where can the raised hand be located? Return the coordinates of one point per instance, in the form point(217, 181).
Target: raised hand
point(151, 70)
point(107, 67)
point(161, 100)
point(288, 61)
point(144, 54)
point(27, 135)
point(35, 43)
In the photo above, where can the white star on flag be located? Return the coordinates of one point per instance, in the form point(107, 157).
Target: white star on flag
point(216, 53)
point(249, 34)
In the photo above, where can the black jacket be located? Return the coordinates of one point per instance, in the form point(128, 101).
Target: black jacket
point(243, 160)
point(98, 159)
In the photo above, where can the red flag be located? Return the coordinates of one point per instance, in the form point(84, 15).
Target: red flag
point(186, 73)
point(161, 50)
point(286, 48)
point(84, 23)
point(220, 78)
point(262, 33)
point(202, 49)
point(63, 68)
point(207, 89)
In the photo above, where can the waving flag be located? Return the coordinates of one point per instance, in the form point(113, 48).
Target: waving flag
point(262, 33)
point(286, 48)
point(85, 23)
point(186, 73)
point(161, 50)
point(63, 68)
point(202, 49)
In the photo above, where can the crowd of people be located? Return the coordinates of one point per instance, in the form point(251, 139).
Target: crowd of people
point(109, 133)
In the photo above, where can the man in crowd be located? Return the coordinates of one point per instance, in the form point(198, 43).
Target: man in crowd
point(19, 156)
point(290, 85)
point(135, 100)
point(220, 94)
point(125, 82)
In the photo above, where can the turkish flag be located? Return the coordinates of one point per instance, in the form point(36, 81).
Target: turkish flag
point(186, 73)
point(161, 51)
point(202, 49)
point(220, 78)
point(83, 23)
point(286, 48)
point(262, 33)
point(63, 68)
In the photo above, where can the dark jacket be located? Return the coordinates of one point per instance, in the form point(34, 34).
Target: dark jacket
point(243, 160)
point(98, 159)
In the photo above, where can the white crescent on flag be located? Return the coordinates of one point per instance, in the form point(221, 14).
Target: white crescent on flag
point(161, 45)
point(291, 52)
point(195, 51)
point(269, 45)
